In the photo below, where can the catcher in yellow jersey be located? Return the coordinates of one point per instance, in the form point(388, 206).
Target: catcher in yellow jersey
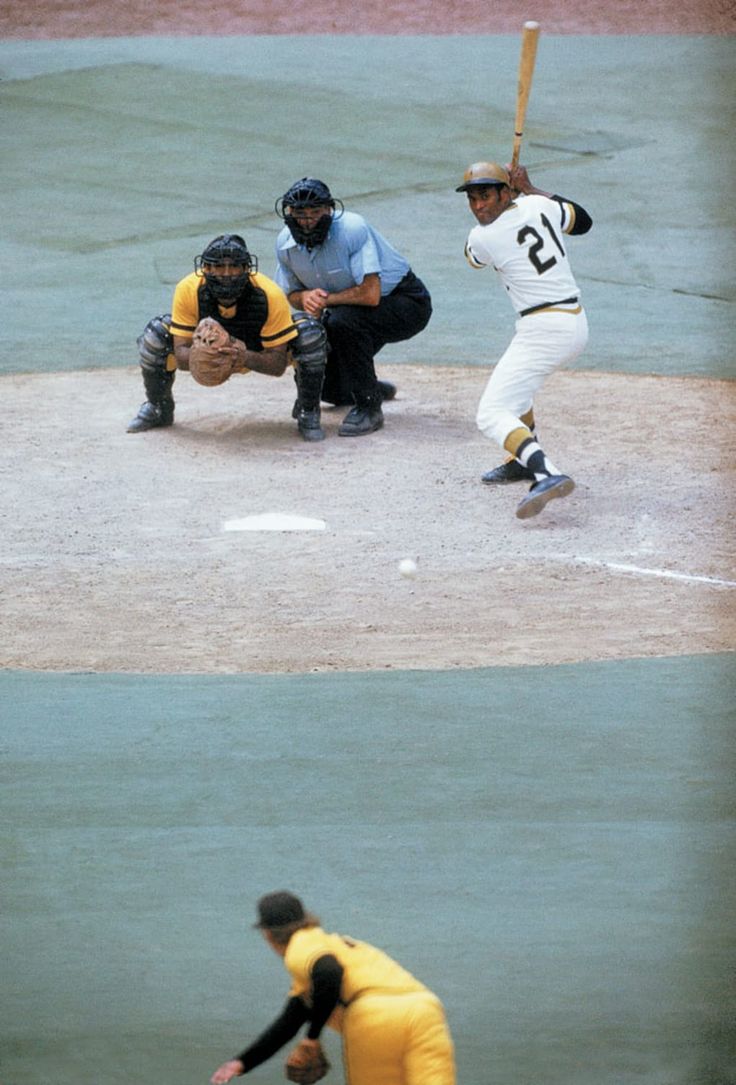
point(228, 318)
point(393, 1028)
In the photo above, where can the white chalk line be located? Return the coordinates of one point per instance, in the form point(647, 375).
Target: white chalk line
point(665, 574)
point(274, 521)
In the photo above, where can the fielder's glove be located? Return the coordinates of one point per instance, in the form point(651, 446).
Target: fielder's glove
point(306, 1063)
point(211, 357)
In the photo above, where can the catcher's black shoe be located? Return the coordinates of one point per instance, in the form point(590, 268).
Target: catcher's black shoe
point(152, 416)
point(360, 421)
point(309, 424)
point(510, 471)
point(542, 492)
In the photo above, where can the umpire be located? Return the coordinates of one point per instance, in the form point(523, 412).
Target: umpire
point(393, 1028)
point(334, 265)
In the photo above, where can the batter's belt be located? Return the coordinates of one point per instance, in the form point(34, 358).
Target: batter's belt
point(547, 305)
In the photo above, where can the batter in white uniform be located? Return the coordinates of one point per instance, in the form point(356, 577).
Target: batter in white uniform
point(520, 234)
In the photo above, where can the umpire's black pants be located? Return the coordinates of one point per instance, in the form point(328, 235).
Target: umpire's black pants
point(356, 333)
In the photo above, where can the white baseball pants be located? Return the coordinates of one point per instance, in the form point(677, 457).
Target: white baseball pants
point(542, 342)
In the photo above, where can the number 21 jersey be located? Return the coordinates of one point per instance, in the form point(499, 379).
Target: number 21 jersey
point(525, 246)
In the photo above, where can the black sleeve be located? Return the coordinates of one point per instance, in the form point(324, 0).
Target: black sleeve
point(283, 1029)
point(326, 979)
point(583, 221)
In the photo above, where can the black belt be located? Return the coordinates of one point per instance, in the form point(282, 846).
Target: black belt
point(547, 305)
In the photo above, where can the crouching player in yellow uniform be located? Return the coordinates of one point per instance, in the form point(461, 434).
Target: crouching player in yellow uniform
point(393, 1028)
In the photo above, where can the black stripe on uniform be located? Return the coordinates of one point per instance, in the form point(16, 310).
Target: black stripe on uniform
point(279, 335)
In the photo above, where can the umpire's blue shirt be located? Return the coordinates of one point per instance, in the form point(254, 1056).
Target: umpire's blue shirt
point(351, 250)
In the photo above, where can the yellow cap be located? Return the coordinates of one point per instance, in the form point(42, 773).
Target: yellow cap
point(483, 173)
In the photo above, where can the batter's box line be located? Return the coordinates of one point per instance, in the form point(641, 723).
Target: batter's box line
point(638, 570)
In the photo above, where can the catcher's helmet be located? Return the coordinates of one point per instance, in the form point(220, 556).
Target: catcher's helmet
point(483, 174)
point(226, 249)
point(307, 193)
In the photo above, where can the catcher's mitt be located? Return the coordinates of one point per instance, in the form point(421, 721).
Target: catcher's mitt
point(306, 1063)
point(209, 362)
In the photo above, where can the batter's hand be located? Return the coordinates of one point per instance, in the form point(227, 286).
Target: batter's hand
point(226, 1072)
point(519, 179)
point(314, 301)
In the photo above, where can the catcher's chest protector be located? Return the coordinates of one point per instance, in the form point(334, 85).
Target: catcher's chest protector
point(251, 313)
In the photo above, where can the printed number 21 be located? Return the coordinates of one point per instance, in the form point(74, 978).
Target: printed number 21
point(534, 250)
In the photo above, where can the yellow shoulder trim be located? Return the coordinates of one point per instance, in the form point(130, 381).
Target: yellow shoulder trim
point(279, 327)
point(570, 218)
point(472, 258)
point(185, 306)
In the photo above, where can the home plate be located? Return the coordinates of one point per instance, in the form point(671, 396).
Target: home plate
point(274, 521)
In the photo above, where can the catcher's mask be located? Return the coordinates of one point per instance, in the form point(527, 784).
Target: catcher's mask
point(308, 194)
point(219, 263)
point(483, 175)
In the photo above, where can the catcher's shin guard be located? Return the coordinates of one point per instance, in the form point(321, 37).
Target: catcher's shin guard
point(154, 347)
point(310, 356)
point(158, 410)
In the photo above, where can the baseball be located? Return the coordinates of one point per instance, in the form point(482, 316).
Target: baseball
point(408, 567)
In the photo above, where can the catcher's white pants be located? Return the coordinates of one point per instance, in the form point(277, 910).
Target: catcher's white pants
point(542, 342)
point(397, 1039)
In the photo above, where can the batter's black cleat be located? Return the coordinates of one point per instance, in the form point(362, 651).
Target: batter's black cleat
point(510, 471)
point(152, 416)
point(360, 421)
point(542, 492)
point(309, 424)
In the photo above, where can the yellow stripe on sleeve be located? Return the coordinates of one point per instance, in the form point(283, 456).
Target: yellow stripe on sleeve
point(472, 258)
point(570, 212)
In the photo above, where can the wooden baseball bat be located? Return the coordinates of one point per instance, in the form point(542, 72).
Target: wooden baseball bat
point(529, 38)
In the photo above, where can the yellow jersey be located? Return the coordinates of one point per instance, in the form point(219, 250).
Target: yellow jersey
point(366, 969)
point(261, 317)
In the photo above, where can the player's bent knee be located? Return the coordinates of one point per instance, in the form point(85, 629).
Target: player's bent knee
point(309, 349)
point(491, 422)
point(155, 343)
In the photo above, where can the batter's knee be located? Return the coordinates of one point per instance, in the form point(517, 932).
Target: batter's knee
point(492, 421)
point(496, 417)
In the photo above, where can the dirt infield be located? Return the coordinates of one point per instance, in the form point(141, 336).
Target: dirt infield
point(115, 556)
point(100, 18)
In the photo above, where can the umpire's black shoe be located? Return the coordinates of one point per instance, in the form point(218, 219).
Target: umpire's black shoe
point(510, 471)
point(360, 421)
point(152, 416)
point(542, 492)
